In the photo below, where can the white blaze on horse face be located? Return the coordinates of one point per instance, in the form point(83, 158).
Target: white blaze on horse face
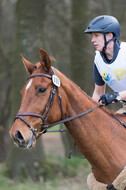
point(28, 85)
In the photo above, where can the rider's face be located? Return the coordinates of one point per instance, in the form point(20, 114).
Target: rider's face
point(98, 40)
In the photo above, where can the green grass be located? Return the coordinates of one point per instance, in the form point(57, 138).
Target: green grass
point(6, 183)
point(57, 127)
point(63, 174)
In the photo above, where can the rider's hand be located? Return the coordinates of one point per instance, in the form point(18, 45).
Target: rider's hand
point(109, 98)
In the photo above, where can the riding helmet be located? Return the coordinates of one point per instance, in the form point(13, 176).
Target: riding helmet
point(104, 24)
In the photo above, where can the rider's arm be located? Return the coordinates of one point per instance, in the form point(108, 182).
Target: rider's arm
point(100, 85)
point(98, 91)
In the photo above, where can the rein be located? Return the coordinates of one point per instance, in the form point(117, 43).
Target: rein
point(69, 119)
point(46, 112)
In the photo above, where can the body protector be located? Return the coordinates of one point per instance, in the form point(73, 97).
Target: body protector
point(114, 74)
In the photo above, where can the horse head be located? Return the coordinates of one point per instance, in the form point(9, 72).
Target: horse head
point(40, 100)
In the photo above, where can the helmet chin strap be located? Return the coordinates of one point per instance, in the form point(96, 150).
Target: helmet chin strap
point(106, 42)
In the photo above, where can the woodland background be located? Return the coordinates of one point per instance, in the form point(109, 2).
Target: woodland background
point(56, 26)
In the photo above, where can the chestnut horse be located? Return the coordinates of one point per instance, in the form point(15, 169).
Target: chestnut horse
point(49, 96)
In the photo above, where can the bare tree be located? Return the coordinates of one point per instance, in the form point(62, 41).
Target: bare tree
point(17, 19)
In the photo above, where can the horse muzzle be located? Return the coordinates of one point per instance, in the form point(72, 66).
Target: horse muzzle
point(21, 141)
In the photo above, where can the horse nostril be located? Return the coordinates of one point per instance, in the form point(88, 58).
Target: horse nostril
point(19, 136)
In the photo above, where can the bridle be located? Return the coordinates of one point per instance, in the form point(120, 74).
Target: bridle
point(46, 112)
point(49, 104)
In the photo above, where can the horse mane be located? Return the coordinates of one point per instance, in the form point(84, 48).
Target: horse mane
point(105, 109)
point(110, 112)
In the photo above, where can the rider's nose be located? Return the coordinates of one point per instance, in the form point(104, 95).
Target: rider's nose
point(92, 39)
point(19, 137)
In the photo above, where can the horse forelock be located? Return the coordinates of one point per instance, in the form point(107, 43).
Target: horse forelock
point(42, 69)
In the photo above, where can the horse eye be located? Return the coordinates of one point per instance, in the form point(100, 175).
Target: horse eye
point(41, 90)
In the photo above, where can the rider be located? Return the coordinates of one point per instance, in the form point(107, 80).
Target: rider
point(110, 59)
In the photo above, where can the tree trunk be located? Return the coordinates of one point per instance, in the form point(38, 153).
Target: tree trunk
point(78, 62)
point(5, 86)
point(24, 28)
point(6, 41)
point(22, 163)
point(80, 57)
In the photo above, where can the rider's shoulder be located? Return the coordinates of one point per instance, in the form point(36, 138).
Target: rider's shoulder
point(122, 44)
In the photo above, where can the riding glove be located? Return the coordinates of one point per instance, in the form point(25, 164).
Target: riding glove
point(108, 98)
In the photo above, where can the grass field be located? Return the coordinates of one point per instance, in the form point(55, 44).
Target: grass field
point(62, 173)
point(67, 175)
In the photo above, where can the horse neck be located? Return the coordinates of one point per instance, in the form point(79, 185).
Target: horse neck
point(93, 134)
point(77, 100)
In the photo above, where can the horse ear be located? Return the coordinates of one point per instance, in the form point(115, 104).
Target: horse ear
point(28, 65)
point(45, 59)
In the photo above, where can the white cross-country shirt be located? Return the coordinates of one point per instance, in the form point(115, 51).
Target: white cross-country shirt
point(113, 74)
